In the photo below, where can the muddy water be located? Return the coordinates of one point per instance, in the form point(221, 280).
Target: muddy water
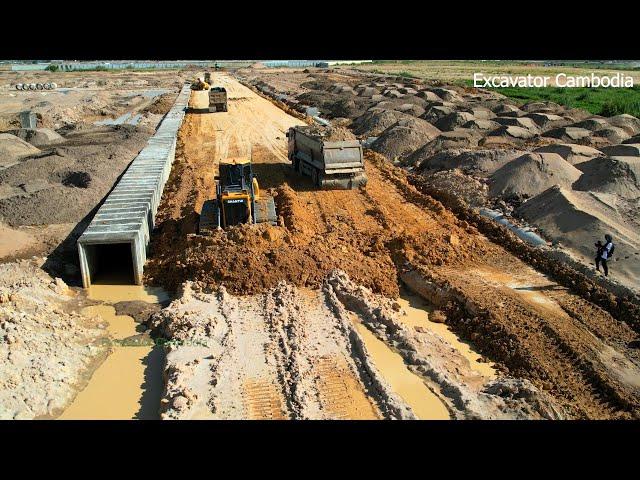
point(128, 384)
point(425, 404)
point(417, 315)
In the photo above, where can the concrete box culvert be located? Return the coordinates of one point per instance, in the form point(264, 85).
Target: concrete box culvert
point(120, 231)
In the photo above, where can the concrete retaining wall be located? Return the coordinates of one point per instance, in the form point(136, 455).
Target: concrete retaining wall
point(128, 213)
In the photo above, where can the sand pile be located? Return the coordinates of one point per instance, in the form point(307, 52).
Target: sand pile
point(66, 183)
point(547, 120)
point(612, 134)
point(479, 124)
point(619, 175)
point(568, 134)
point(330, 134)
point(522, 122)
point(162, 104)
point(457, 139)
point(531, 174)
point(404, 137)
point(453, 120)
point(39, 137)
point(593, 123)
point(436, 112)
point(44, 350)
point(13, 148)
point(571, 152)
point(475, 162)
point(375, 121)
point(627, 122)
point(577, 219)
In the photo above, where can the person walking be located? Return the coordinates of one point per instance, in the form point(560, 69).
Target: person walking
point(604, 253)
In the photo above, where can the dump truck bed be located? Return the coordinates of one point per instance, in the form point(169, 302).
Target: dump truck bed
point(339, 164)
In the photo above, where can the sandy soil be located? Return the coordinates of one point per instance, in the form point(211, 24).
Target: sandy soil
point(477, 128)
point(46, 346)
point(47, 193)
point(378, 235)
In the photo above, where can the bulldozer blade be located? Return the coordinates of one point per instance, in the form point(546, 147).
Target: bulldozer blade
point(265, 210)
point(209, 218)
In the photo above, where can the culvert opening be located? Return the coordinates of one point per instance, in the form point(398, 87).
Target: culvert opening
point(111, 264)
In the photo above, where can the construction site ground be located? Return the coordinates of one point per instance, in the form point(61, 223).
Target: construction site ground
point(375, 303)
point(557, 355)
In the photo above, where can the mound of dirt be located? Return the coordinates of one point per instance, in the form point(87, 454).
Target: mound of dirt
point(531, 174)
point(429, 96)
point(474, 162)
point(571, 152)
point(39, 137)
point(13, 148)
point(511, 132)
point(507, 110)
point(568, 134)
point(479, 124)
point(457, 139)
point(593, 123)
point(330, 134)
point(453, 120)
point(65, 184)
point(436, 112)
point(542, 107)
point(623, 150)
point(612, 134)
point(404, 137)
point(627, 122)
point(162, 104)
point(547, 120)
point(619, 175)
point(375, 121)
point(577, 219)
point(522, 122)
point(447, 95)
point(44, 350)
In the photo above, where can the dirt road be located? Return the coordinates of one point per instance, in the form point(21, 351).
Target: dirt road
point(558, 355)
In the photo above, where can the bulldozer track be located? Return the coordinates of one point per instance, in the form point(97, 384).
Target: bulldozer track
point(340, 392)
point(262, 401)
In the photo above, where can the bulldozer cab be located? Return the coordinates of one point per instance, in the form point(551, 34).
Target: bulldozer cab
point(235, 190)
point(235, 175)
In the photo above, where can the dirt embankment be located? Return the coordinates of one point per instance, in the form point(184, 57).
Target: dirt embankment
point(45, 346)
point(293, 353)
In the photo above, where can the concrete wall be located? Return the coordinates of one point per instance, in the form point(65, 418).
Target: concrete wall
point(128, 213)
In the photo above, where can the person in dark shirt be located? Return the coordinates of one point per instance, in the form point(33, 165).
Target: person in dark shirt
point(604, 253)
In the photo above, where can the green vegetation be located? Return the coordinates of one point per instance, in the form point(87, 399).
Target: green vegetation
point(406, 74)
point(52, 68)
point(599, 101)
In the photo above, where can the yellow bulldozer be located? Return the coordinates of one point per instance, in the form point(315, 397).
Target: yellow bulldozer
point(238, 199)
point(200, 84)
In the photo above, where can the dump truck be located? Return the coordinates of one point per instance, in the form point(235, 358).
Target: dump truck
point(330, 164)
point(218, 99)
point(238, 199)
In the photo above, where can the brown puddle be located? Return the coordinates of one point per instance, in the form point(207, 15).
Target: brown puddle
point(417, 315)
point(425, 404)
point(128, 384)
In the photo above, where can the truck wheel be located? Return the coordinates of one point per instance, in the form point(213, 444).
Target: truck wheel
point(314, 177)
point(296, 165)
